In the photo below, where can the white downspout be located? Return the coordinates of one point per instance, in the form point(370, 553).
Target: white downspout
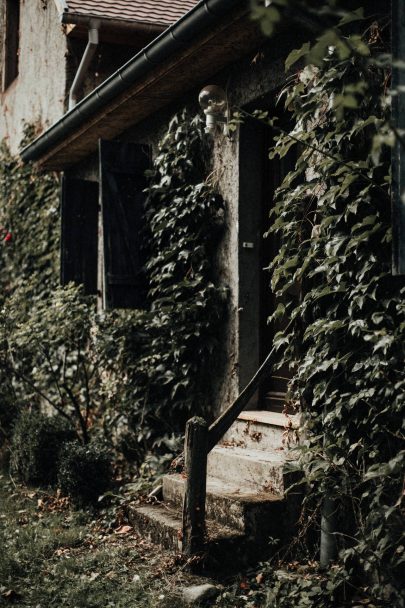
point(93, 42)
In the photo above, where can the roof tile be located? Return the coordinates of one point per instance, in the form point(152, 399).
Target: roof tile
point(162, 12)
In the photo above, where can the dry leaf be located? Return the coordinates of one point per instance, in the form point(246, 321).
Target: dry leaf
point(124, 530)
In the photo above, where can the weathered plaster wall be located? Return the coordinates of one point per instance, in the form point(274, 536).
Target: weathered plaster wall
point(38, 93)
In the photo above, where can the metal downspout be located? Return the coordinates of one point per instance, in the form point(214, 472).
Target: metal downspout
point(328, 549)
point(93, 42)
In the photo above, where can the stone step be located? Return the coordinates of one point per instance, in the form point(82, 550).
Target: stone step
point(162, 525)
point(227, 550)
point(230, 505)
point(261, 430)
point(256, 471)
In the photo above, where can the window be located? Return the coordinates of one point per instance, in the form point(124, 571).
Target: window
point(11, 42)
point(121, 195)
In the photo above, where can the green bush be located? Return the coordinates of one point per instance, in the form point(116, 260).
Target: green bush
point(9, 410)
point(35, 446)
point(85, 471)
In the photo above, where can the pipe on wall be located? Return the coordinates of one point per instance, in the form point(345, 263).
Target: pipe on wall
point(92, 44)
point(328, 549)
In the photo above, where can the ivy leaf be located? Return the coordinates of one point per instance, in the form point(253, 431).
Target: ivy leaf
point(296, 55)
point(357, 15)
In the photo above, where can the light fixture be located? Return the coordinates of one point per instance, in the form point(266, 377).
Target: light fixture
point(213, 101)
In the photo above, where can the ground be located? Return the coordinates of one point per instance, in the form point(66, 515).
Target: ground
point(54, 555)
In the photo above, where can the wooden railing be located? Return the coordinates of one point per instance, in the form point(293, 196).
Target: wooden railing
point(199, 441)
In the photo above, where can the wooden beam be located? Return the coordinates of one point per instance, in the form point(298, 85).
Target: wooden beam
point(195, 451)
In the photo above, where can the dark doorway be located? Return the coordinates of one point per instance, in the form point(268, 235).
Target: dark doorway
point(273, 391)
point(259, 179)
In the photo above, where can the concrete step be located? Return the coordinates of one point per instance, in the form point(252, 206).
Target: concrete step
point(261, 430)
point(230, 505)
point(227, 550)
point(162, 525)
point(256, 471)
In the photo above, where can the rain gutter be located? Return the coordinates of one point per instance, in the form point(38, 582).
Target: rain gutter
point(179, 35)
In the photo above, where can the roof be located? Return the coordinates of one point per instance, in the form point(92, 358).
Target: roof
point(162, 12)
point(213, 34)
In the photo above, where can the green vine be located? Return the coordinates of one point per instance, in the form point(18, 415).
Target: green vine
point(169, 350)
point(29, 213)
point(345, 343)
point(136, 374)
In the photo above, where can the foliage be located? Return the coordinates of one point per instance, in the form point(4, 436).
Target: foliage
point(137, 374)
point(167, 351)
point(29, 218)
point(29, 221)
point(52, 554)
point(345, 343)
point(46, 349)
point(8, 408)
point(36, 443)
point(84, 471)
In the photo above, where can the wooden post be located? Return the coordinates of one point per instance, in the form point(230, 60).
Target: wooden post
point(195, 456)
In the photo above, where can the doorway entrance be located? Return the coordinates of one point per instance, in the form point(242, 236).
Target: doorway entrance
point(259, 178)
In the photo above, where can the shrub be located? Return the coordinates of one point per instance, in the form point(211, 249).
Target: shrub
point(8, 409)
point(36, 443)
point(85, 471)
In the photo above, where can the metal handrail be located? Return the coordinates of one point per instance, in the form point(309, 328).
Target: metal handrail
point(222, 424)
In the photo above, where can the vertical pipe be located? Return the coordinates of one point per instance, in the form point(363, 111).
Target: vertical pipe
point(328, 551)
point(93, 42)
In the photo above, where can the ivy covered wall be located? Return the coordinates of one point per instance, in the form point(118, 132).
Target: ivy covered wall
point(345, 342)
point(132, 376)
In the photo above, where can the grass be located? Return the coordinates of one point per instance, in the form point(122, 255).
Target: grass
point(51, 555)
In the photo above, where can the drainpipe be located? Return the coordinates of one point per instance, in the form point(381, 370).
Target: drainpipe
point(93, 41)
point(328, 551)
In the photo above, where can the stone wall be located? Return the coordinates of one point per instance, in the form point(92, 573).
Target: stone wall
point(38, 93)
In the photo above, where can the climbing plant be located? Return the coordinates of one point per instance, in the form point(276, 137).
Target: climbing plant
point(169, 350)
point(28, 250)
point(29, 221)
point(138, 374)
point(346, 340)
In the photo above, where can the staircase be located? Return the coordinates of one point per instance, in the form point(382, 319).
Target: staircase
point(248, 514)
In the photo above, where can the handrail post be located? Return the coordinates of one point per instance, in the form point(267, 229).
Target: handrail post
point(195, 457)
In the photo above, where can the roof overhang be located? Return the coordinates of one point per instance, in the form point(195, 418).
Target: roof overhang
point(212, 35)
point(118, 31)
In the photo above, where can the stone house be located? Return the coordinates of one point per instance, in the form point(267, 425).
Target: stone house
point(43, 43)
point(128, 88)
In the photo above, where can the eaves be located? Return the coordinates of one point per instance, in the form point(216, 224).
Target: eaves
point(210, 36)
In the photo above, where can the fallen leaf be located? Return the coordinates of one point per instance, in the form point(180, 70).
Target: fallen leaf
point(11, 596)
point(124, 530)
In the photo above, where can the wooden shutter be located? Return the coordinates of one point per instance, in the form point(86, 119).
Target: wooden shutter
point(79, 240)
point(398, 116)
point(122, 181)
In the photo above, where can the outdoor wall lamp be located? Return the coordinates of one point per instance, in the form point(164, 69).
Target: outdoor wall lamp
point(214, 102)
